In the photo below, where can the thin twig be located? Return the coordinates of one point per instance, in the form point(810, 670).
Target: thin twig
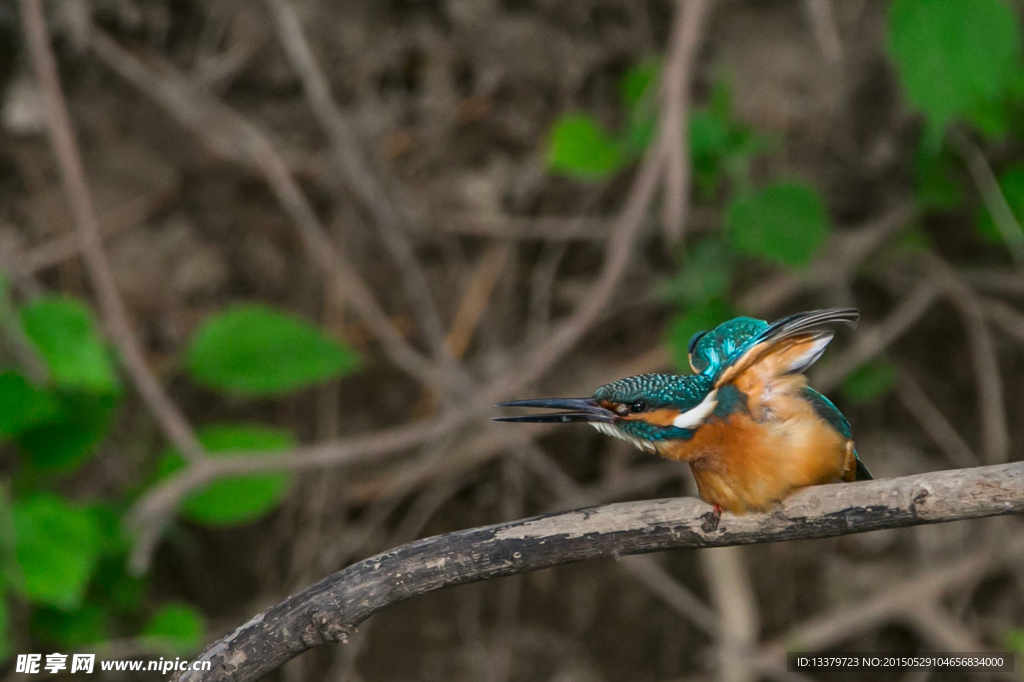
point(988, 187)
point(830, 628)
point(149, 512)
point(542, 285)
point(64, 247)
point(233, 137)
point(171, 420)
point(843, 254)
point(872, 341)
point(330, 610)
point(643, 568)
point(943, 631)
point(359, 177)
point(164, 498)
point(995, 434)
point(726, 573)
point(474, 301)
point(1005, 316)
point(824, 24)
point(934, 422)
point(675, 120)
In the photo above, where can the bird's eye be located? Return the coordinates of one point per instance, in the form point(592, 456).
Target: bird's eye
point(638, 406)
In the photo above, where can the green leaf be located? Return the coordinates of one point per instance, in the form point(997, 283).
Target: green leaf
point(913, 241)
point(1013, 639)
point(22, 405)
point(175, 629)
point(254, 350)
point(241, 499)
point(1011, 181)
point(639, 89)
point(785, 222)
point(112, 586)
point(77, 628)
point(68, 438)
point(10, 573)
point(706, 274)
point(699, 318)
point(870, 381)
point(936, 186)
point(6, 641)
point(56, 546)
point(952, 56)
point(709, 137)
point(710, 144)
point(63, 331)
point(582, 149)
point(639, 81)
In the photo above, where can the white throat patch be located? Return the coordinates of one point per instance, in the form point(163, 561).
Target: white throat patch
point(610, 430)
point(696, 415)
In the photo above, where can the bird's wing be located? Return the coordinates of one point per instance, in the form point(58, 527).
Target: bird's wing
point(788, 346)
point(828, 412)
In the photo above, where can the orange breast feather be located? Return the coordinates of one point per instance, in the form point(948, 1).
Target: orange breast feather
point(745, 465)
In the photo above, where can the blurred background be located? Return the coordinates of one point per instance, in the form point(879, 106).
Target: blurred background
point(321, 240)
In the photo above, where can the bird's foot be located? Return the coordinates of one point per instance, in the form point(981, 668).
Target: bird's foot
point(711, 519)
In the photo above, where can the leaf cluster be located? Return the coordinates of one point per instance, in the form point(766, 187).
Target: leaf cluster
point(62, 559)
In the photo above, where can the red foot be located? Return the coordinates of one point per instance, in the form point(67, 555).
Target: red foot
point(711, 519)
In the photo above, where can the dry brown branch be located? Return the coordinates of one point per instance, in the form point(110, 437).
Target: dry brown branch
point(360, 178)
point(330, 610)
point(995, 434)
point(830, 628)
point(991, 194)
point(199, 113)
point(823, 23)
point(871, 341)
point(67, 246)
point(941, 630)
point(674, 124)
point(844, 253)
point(474, 301)
point(726, 572)
point(934, 422)
point(228, 134)
point(556, 229)
point(645, 569)
point(164, 498)
point(542, 286)
point(1005, 316)
point(171, 420)
point(991, 280)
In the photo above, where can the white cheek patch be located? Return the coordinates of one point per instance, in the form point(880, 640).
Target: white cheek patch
point(811, 355)
point(696, 415)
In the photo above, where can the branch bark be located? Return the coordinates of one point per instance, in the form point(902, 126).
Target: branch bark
point(330, 610)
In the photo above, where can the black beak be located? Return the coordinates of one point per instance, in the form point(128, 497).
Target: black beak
point(580, 410)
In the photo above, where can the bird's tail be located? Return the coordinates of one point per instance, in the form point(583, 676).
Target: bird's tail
point(862, 473)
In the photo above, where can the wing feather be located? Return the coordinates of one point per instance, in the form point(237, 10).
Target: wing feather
point(798, 340)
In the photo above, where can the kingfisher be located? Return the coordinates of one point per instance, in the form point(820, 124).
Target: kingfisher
point(745, 421)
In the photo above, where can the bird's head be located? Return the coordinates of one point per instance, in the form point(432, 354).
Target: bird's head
point(648, 410)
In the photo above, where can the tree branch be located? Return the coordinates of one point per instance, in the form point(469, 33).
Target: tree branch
point(330, 610)
point(171, 420)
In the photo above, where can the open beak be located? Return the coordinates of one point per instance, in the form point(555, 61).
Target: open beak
point(578, 410)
